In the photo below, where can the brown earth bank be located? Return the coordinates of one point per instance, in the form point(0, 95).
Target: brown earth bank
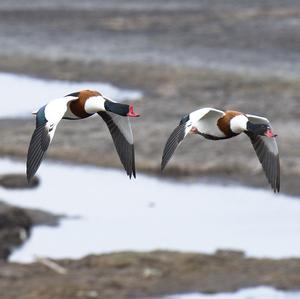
point(16, 225)
point(145, 275)
point(169, 93)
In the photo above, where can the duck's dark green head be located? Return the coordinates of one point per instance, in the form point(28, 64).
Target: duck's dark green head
point(260, 129)
point(120, 109)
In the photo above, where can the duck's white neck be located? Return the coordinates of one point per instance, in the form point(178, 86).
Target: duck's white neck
point(238, 124)
point(94, 104)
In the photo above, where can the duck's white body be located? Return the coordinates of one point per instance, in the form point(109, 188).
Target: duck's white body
point(206, 125)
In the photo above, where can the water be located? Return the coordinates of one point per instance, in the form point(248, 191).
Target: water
point(32, 93)
point(150, 213)
point(249, 293)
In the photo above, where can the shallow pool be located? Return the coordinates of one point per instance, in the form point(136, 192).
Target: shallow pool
point(149, 213)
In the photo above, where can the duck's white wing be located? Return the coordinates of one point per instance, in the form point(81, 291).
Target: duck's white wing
point(47, 119)
point(120, 130)
point(207, 116)
point(267, 152)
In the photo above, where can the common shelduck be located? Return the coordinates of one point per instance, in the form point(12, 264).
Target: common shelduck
point(216, 124)
point(79, 105)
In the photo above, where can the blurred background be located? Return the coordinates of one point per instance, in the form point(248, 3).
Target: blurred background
point(210, 227)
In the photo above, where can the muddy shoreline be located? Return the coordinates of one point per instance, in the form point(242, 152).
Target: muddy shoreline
point(16, 225)
point(145, 275)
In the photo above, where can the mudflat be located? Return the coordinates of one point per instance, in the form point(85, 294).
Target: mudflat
point(146, 275)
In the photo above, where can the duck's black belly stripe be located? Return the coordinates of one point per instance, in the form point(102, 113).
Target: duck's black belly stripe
point(211, 137)
point(70, 118)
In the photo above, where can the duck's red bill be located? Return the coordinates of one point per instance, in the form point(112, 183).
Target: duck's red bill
point(270, 134)
point(131, 112)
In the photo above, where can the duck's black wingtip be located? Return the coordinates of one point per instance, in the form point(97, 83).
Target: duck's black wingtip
point(276, 189)
point(29, 177)
point(164, 163)
point(132, 175)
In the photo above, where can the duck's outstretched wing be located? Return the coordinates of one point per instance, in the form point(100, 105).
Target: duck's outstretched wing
point(47, 119)
point(207, 116)
point(120, 130)
point(267, 152)
point(174, 140)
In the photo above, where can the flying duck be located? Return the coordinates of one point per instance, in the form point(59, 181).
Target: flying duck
point(215, 124)
point(79, 105)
